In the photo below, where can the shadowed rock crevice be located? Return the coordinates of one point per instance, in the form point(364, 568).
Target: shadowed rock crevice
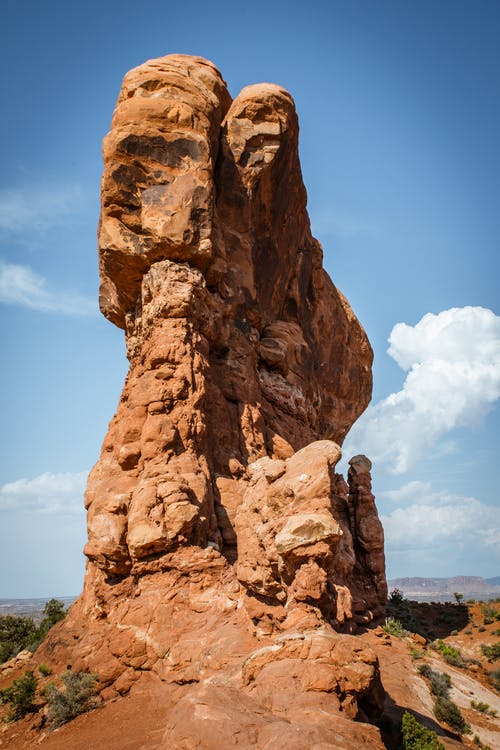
point(224, 552)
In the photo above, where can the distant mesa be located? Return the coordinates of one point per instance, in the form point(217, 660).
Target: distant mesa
point(470, 586)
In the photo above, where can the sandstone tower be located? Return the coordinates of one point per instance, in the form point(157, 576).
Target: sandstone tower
point(225, 555)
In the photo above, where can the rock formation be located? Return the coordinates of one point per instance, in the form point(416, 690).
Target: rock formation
point(225, 555)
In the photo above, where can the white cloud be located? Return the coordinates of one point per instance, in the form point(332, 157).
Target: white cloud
point(20, 285)
point(436, 517)
point(453, 365)
point(407, 492)
point(35, 209)
point(47, 493)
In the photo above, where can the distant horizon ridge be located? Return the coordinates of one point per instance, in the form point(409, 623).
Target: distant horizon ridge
point(441, 585)
point(399, 580)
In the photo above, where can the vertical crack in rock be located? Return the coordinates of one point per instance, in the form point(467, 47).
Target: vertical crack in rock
point(216, 522)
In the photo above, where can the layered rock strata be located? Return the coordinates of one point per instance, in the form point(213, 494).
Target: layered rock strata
point(224, 552)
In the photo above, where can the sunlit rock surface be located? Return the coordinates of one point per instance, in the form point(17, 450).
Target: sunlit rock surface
point(225, 555)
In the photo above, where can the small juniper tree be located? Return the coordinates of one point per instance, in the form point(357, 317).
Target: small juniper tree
point(20, 695)
point(417, 737)
point(15, 634)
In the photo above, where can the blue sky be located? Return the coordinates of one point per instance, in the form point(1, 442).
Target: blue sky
point(400, 122)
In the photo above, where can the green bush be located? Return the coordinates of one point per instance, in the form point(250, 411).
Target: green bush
point(417, 737)
point(18, 633)
point(483, 708)
point(394, 627)
point(416, 653)
point(77, 697)
point(425, 670)
point(449, 713)
point(477, 743)
point(489, 612)
point(495, 678)
point(44, 670)
point(492, 653)
point(20, 695)
point(450, 654)
point(440, 682)
point(15, 634)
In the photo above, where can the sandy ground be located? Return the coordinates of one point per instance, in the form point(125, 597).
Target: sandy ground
point(137, 721)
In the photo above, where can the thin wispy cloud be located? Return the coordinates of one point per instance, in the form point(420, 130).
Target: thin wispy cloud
point(33, 209)
point(452, 362)
point(46, 493)
point(21, 285)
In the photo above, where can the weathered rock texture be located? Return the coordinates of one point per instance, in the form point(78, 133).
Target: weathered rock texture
point(224, 552)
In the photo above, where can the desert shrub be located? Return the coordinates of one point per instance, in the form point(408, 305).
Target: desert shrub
point(416, 653)
point(492, 653)
point(20, 695)
point(425, 670)
point(15, 634)
point(44, 670)
point(450, 654)
point(417, 737)
point(489, 611)
point(394, 627)
point(474, 661)
point(77, 697)
point(495, 678)
point(488, 621)
point(449, 713)
point(496, 632)
point(440, 682)
point(477, 743)
point(468, 632)
point(483, 708)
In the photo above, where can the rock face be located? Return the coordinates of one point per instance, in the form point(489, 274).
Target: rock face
point(224, 552)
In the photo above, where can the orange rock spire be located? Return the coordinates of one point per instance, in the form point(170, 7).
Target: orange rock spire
point(224, 553)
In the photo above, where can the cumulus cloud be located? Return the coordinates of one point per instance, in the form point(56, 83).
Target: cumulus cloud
point(32, 209)
point(434, 517)
point(20, 285)
point(452, 362)
point(46, 493)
